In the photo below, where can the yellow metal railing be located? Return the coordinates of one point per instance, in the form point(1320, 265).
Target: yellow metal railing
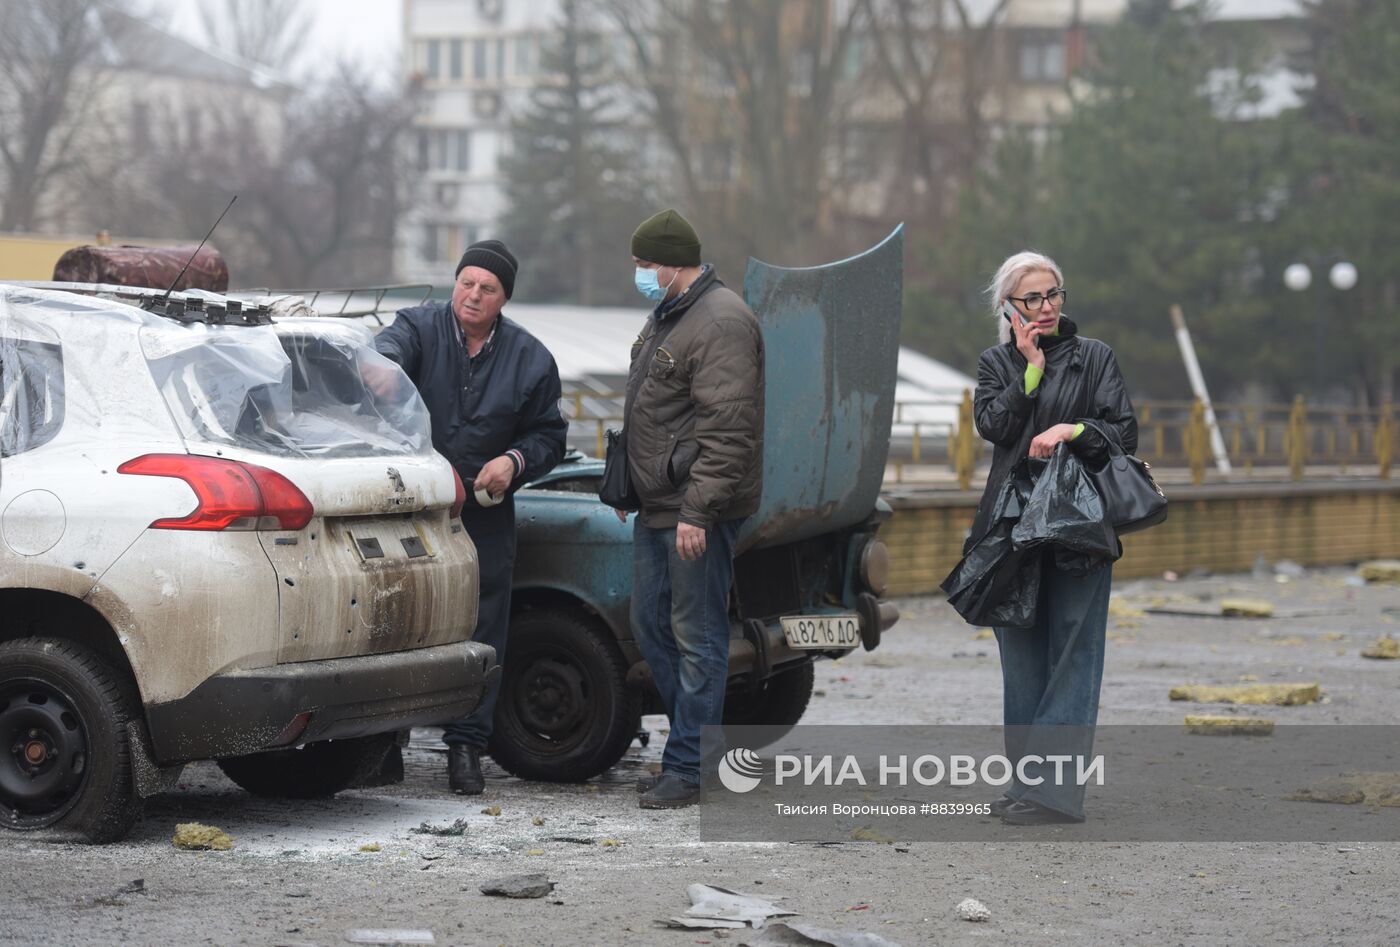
point(1171, 434)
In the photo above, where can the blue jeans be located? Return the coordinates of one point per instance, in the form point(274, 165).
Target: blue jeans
point(1051, 674)
point(680, 619)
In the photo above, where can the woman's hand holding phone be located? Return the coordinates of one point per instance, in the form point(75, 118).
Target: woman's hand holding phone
point(1027, 336)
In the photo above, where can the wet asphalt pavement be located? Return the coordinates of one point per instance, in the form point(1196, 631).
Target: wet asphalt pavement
point(311, 872)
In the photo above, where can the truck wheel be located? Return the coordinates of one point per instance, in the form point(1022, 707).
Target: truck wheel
point(565, 712)
point(315, 771)
point(779, 702)
point(66, 763)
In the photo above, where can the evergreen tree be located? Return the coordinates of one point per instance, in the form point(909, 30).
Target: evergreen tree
point(1346, 196)
point(570, 188)
point(1161, 193)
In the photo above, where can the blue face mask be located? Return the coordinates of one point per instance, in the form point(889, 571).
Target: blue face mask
point(649, 286)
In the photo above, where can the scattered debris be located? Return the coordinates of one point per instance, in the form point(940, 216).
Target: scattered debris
point(1334, 636)
point(370, 847)
point(610, 843)
point(1290, 569)
point(1170, 576)
point(1380, 570)
point(866, 834)
point(1385, 649)
point(573, 839)
point(1219, 611)
point(195, 837)
point(1354, 581)
point(134, 886)
point(986, 634)
point(532, 885)
point(1207, 725)
point(491, 810)
point(1117, 609)
point(1283, 695)
point(537, 820)
point(970, 909)
point(1246, 608)
point(389, 936)
point(457, 828)
point(783, 933)
point(1376, 789)
point(715, 908)
point(535, 851)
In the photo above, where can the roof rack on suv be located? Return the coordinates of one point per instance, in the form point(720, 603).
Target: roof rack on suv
point(185, 307)
point(353, 302)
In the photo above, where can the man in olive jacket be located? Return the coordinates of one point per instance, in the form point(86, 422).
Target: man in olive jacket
point(694, 423)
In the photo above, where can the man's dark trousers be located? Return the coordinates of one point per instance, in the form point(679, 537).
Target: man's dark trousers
point(680, 618)
point(492, 530)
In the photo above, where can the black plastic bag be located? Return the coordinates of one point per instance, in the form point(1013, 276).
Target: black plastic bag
point(1043, 509)
point(615, 488)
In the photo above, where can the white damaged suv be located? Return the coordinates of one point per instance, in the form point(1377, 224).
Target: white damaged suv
point(216, 542)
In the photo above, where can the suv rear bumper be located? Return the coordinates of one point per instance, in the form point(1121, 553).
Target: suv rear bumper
point(242, 712)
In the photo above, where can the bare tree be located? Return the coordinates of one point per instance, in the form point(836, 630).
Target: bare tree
point(268, 32)
point(51, 65)
point(938, 71)
point(748, 97)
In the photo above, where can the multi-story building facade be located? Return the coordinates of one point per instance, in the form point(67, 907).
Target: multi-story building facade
point(478, 61)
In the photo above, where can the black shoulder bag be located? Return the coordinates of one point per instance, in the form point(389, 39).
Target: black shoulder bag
point(1131, 498)
point(615, 489)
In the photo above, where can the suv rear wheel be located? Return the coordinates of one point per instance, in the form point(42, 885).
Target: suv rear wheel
point(314, 771)
point(565, 712)
point(779, 701)
point(65, 759)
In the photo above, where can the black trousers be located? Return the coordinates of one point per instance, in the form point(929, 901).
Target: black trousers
point(492, 530)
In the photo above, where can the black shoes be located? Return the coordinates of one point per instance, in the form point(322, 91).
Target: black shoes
point(670, 792)
point(1002, 804)
point(1032, 813)
point(464, 771)
point(647, 783)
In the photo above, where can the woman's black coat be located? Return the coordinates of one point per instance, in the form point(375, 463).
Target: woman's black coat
point(1081, 383)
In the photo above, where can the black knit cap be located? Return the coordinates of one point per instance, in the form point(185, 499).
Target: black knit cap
point(495, 258)
point(668, 239)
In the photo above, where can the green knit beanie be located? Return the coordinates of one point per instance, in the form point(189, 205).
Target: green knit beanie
point(668, 239)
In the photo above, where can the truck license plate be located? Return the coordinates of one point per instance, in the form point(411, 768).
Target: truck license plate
point(822, 631)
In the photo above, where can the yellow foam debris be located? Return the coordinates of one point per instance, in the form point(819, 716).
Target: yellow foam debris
point(1375, 789)
point(1284, 695)
point(370, 847)
point(1209, 725)
point(535, 851)
point(610, 843)
point(1246, 608)
point(1118, 610)
point(491, 810)
point(1385, 649)
point(196, 838)
point(1380, 570)
point(537, 820)
point(864, 834)
point(986, 634)
point(1333, 636)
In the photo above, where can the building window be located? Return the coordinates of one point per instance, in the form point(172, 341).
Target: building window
point(1042, 59)
point(479, 59)
point(444, 243)
point(444, 149)
point(454, 60)
point(524, 55)
point(434, 59)
point(500, 59)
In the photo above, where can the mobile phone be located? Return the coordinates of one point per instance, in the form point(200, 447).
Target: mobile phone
point(1007, 311)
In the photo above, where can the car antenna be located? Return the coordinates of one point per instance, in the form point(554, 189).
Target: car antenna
point(166, 298)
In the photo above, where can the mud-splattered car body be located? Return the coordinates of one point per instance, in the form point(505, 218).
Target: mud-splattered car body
point(215, 541)
point(575, 681)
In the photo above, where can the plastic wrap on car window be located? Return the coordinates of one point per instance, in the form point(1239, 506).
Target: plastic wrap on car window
point(300, 389)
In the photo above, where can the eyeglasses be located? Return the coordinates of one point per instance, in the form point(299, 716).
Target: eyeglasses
point(1034, 301)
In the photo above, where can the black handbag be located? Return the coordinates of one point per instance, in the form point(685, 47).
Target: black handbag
point(616, 489)
point(1132, 499)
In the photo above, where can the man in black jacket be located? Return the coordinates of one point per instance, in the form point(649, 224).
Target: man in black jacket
point(492, 391)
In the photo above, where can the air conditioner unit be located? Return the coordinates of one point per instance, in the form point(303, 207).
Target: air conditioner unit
point(491, 9)
point(486, 104)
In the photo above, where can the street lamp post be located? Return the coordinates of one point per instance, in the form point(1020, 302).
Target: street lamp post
point(1298, 277)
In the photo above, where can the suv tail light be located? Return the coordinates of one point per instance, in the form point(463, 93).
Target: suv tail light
point(460, 499)
point(231, 495)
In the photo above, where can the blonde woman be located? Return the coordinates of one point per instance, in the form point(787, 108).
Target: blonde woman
point(1045, 385)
